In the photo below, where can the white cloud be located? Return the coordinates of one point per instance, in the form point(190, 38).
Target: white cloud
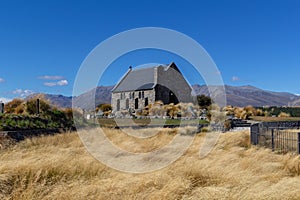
point(235, 78)
point(58, 83)
point(17, 91)
point(50, 84)
point(46, 77)
point(4, 100)
point(22, 93)
point(62, 82)
point(2, 80)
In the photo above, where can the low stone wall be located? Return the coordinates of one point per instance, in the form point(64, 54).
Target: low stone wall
point(19, 135)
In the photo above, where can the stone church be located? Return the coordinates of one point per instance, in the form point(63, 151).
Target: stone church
point(140, 87)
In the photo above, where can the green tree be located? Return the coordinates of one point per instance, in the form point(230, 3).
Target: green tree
point(105, 107)
point(204, 101)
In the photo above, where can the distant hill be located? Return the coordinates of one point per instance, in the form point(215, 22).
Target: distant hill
point(236, 96)
point(249, 95)
point(56, 100)
point(102, 94)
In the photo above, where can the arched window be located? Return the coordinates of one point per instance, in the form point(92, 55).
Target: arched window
point(136, 103)
point(127, 103)
point(118, 104)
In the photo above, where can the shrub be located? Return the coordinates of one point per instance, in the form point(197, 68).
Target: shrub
point(31, 106)
point(10, 107)
point(205, 129)
point(283, 114)
point(104, 107)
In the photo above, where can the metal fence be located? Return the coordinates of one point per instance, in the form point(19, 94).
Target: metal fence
point(281, 139)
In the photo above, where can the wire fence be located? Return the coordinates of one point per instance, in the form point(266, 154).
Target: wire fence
point(279, 139)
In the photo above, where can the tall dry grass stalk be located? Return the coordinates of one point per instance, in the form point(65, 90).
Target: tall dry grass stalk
point(59, 167)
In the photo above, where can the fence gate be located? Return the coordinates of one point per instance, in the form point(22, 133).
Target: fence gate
point(281, 137)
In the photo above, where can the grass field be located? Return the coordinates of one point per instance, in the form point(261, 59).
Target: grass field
point(59, 167)
point(274, 119)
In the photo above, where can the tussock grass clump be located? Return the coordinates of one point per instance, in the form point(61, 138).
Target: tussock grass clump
point(59, 167)
point(291, 164)
point(6, 142)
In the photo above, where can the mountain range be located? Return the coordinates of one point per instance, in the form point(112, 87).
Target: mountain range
point(236, 96)
point(249, 95)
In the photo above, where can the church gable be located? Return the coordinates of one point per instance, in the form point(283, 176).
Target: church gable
point(141, 87)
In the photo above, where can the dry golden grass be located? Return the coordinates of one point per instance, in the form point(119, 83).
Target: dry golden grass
point(274, 119)
point(59, 167)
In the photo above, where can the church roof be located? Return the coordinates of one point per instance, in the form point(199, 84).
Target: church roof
point(139, 79)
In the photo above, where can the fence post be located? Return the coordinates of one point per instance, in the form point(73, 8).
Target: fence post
point(38, 106)
point(254, 132)
point(1, 108)
point(273, 145)
point(298, 143)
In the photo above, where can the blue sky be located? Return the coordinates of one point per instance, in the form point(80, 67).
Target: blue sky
point(43, 43)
